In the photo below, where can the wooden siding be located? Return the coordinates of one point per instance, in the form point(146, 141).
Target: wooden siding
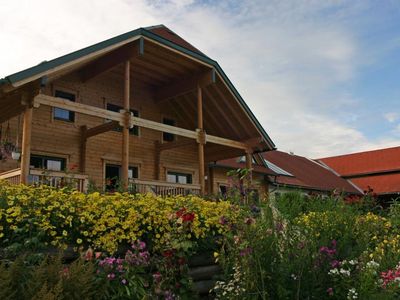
point(60, 138)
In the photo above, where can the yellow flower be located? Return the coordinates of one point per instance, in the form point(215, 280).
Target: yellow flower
point(64, 233)
point(79, 241)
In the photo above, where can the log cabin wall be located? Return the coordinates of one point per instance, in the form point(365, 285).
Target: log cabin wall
point(61, 138)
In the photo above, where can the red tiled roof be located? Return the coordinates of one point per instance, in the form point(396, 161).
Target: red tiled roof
point(368, 162)
point(377, 169)
point(381, 184)
point(307, 173)
point(168, 34)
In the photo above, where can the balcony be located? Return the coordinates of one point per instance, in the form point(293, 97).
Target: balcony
point(79, 182)
point(163, 189)
point(56, 179)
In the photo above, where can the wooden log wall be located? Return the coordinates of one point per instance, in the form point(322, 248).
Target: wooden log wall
point(63, 139)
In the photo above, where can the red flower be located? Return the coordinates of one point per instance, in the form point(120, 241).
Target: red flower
point(189, 217)
point(168, 253)
point(185, 216)
point(180, 212)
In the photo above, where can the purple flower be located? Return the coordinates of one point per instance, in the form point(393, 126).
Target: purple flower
point(334, 243)
point(111, 276)
point(335, 263)
point(123, 281)
point(330, 291)
point(169, 295)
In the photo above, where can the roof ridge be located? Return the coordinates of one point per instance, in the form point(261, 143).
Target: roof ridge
point(359, 152)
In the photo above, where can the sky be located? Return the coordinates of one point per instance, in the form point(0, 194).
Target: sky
point(322, 77)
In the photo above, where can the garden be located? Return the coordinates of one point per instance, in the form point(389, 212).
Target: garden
point(62, 244)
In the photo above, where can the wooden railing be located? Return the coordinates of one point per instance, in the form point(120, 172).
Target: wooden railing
point(52, 178)
point(161, 188)
point(12, 176)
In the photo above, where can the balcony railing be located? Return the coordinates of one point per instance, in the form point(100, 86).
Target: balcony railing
point(162, 188)
point(52, 178)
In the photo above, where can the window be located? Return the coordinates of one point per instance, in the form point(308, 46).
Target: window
point(223, 189)
point(113, 175)
point(48, 163)
point(168, 137)
point(175, 177)
point(135, 129)
point(63, 114)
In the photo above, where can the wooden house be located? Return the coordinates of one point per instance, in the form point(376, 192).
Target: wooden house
point(145, 107)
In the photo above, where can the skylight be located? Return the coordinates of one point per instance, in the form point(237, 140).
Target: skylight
point(276, 169)
point(242, 159)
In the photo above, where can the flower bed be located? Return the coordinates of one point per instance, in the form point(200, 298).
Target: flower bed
point(137, 245)
point(314, 248)
point(42, 215)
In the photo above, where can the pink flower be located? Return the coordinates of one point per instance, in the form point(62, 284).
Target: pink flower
point(330, 291)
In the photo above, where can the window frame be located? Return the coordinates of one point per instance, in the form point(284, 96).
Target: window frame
point(71, 114)
point(45, 158)
point(163, 134)
point(179, 173)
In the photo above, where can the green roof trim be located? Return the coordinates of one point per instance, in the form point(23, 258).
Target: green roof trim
point(44, 66)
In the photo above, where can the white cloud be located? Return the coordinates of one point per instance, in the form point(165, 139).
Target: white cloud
point(391, 117)
point(291, 61)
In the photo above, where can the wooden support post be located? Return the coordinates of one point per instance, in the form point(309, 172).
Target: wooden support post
point(26, 144)
point(249, 163)
point(82, 163)
point(125, 129)
point(200, 140)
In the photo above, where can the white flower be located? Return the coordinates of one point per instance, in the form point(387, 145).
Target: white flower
point(353, 262)
point(345, 272)
point(334, 271)
point(372, 264)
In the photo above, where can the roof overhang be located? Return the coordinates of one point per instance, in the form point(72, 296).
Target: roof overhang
point(85, 55)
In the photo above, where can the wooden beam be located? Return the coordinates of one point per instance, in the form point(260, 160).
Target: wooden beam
point(201, 139)
point(120, 117)
point(222, 110)
point(249, 164)
point(79, 108)
point(235, 112)
point(101, 129)
point(163, 127)
point(125, 129)
point(226, 142)
point(109, 61)
point(82, 164)
point(184, 86)
point(26, 144)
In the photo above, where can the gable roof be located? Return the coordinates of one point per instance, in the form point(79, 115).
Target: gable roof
point(307, 173)
point(368, 162)
point(376, 169)
point(295, 171)
point(159, 34)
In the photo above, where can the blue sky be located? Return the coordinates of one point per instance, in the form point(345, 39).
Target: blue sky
point(322, 77)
